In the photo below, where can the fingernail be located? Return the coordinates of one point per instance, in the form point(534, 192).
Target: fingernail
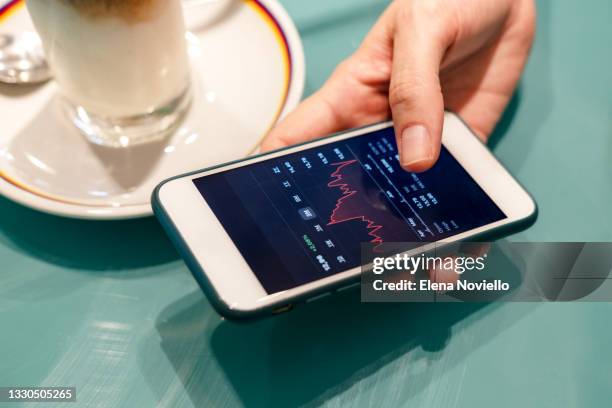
point(416, 146)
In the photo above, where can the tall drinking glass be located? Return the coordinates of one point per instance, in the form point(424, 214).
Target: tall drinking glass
point(121, 65)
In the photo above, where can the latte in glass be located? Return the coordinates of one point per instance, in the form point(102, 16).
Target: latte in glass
point(121, 65)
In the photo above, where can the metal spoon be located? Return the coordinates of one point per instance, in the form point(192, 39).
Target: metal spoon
point(22, 60)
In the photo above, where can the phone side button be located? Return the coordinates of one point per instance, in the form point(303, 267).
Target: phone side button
point(351, 286)
point(318, 297)
point(282, 309)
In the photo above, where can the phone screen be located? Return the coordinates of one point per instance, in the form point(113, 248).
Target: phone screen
point(303, 216)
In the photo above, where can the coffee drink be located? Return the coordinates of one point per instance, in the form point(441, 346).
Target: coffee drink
point(117, 62)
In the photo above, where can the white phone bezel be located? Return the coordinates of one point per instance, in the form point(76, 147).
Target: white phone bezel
point(217, 254)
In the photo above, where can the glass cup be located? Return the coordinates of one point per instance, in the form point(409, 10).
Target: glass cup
point(121, 65)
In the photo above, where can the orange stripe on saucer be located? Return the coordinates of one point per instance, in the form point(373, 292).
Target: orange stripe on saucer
point(10, 8)
point(283, 43)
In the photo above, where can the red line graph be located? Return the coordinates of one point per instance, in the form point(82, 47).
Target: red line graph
point(339, 213)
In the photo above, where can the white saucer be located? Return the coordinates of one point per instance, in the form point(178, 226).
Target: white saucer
point(248, 69)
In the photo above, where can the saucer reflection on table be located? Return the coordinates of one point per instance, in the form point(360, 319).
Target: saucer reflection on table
point(248, 70)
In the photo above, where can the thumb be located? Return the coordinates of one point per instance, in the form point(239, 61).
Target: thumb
point(314, 117)
point(415, 96)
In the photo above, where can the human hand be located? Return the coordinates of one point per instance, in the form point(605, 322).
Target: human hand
point(422, 56)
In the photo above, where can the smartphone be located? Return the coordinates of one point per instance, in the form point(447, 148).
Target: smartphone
point(263, 234)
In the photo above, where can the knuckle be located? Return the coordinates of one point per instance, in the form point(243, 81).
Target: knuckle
point(435, 17)
point(400, 93)
point(405, 91)
point(404, 12)
point(431, 9)
point(428, 10)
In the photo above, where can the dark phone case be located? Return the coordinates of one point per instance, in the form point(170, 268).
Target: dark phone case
point(223, 308)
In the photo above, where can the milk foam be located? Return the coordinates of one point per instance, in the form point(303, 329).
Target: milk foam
point(129, 10)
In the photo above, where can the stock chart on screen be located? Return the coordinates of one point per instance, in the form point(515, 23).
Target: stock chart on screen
point(303, 216)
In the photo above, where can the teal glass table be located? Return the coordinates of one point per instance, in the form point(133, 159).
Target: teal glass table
point(109, 307)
